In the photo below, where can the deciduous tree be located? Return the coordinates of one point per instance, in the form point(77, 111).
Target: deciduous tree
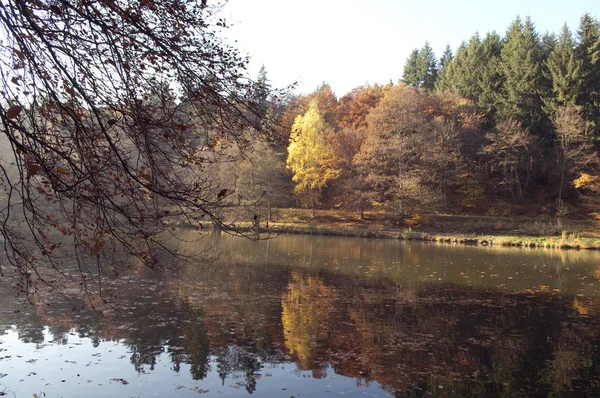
point(99, 158)
point(510, 152)
point(310, 157)
point(574, 150)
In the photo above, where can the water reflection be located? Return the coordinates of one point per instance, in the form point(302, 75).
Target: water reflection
point(316, 316)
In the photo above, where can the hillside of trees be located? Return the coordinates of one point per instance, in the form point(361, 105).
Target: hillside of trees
point(502, 126)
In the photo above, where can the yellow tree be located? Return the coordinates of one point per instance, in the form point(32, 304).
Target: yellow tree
point(310, 156)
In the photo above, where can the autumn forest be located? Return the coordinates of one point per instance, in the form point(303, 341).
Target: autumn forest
point(502, 125)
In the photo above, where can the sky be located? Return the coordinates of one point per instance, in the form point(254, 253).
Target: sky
point(349, 43)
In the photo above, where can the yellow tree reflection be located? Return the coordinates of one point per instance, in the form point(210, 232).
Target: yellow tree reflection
point(305, 317)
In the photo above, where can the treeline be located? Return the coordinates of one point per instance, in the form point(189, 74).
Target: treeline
point(507, 125)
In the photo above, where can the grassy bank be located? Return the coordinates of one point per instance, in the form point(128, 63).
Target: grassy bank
point(473, 230)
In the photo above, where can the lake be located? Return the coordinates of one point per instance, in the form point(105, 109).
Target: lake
point(314, 316)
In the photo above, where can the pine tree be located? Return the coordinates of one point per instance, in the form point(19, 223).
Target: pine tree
point(587, 52)
point(521, 70)
point(261, 96)
point(420, 69)
point(473, 72)
point(427, 67)
point(447, 75)
point(466, 69)
point(445, 58)
point(564, 71)
point(410, 76)
point(489, 80)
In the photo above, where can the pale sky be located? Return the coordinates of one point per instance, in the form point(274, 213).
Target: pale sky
point(348, 43)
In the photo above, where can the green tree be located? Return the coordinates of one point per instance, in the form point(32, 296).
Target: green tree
point(521, 70)
point(564, 72)
point(446, 57)
point(473, 72)
point(462, 71)
point(411, 75)
point(427, 67)
point(261, 94)
point(489, 79)
point(587, 52)
point(310, 157)
point(420, 69)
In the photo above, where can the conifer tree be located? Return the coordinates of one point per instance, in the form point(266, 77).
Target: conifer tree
point(564, 71)
point(427, 67)
point(521, 71)
point(587, 52)
point(448, 69)
point(420, 69)
point(489, 80)
point(463, 80)
point(410, 76)
point(445, 58)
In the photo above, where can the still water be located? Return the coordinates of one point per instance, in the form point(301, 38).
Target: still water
point(306, 316)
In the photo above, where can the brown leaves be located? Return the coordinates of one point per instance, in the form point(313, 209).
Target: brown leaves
point(13, 111)
point(62, 170)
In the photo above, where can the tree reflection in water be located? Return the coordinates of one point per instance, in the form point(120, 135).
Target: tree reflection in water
point(412, 337)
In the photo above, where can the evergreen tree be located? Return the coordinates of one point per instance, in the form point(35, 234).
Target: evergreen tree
point(261, 96)
point(489, 80)
point(468, 62)
point(447, 75)
point(445, 58)
point(564, 71)
point(427, 67)
point(410, 76)
point(587, 52)
point(521, 70)
point(420, 69)
point(548, 43)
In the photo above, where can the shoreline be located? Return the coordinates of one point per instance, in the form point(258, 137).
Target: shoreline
point(543, 242)
point(543, 233)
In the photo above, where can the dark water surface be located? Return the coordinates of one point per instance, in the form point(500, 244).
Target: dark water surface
point(305, 316)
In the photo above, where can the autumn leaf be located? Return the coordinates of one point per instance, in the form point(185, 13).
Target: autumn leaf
point(62, 170)
point(13, 111)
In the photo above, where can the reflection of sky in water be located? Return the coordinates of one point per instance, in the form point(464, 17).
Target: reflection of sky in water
point(78, 369)
point(317, 316)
